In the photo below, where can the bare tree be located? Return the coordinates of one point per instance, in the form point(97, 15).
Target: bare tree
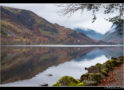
point(108, 8)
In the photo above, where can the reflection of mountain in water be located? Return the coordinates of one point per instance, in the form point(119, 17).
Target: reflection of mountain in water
point(91, 55)
point(113, 52)
point(24, 63)
point(108, 52)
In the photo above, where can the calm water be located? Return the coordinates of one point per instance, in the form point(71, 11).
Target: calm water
point(34, 66)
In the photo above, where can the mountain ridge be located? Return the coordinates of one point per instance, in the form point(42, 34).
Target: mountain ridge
point(90, 33)
point(19, 26)
point(114, 35)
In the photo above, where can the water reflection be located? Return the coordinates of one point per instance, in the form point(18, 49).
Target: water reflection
point(33, 64)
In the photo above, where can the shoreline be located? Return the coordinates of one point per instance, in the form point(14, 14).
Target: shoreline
point(112, 79)
point(62, 45)
point(95, 75)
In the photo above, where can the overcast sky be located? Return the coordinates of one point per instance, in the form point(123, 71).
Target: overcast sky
point(51, 12)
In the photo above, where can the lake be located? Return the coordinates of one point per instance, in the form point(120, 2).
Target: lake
point(37, 65)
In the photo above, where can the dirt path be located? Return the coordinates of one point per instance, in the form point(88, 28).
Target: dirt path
point(115, 78)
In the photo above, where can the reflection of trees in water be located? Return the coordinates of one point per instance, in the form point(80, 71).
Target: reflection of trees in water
point(24, 63)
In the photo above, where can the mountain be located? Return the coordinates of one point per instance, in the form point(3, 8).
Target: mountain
point(114, 35)
point(20, 26)
point(90, 33)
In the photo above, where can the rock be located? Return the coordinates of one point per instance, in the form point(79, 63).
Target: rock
point(44, 85)
point(50, 75)
point(94, 69)
point(104, 71)
point(68, 81)
point(100, 71)
point(86, 68)
point(94, 76)
point(121, 57)
point(91, 78)
point(113, 58)
point(109, 65)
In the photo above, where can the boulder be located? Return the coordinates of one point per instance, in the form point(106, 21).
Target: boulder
point(91, 78)
point(44, 85)
point(68, 81)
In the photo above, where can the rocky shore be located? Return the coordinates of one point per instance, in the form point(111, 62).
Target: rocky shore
point(95, 76)
point(115, 77)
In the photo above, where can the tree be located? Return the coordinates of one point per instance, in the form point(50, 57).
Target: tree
point(109, 8)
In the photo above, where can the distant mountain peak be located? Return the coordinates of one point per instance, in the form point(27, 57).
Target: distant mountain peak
point(83, 28)
point(114, 35)
point(89, 32)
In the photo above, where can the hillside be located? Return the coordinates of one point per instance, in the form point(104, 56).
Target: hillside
point(20, 26)
point(114, 35)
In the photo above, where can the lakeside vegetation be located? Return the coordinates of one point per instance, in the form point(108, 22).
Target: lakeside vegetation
point(94, 75)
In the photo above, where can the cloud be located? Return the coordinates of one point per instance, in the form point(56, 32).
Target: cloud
point(50, 13)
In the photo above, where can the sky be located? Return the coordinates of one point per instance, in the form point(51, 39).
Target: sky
point(53, 14)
